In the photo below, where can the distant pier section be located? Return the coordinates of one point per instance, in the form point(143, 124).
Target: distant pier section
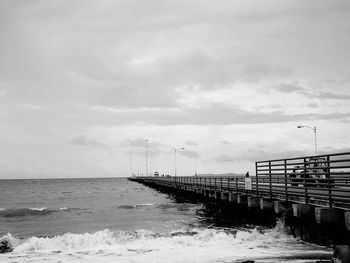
point(312, 189)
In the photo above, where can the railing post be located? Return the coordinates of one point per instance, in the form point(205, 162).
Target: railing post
point(306, 184)
point(330, 199)
point(221, 184)
point(256, 179)
point(270, 179)
point(286, 179)
point(236, 185)
point(228, 183)
point(215, 183)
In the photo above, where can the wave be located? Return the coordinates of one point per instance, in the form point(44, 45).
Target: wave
point(22, 212)
point(191, 243)
point(133, 206)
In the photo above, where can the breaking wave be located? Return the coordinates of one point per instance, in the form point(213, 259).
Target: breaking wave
point(22, 212)
point(231, 243)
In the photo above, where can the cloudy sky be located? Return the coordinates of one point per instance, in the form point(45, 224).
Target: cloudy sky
point(84, 83)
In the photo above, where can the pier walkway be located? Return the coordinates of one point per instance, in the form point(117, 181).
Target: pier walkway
point(313, 187)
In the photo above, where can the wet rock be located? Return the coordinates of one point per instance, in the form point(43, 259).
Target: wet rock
point(341, 254)
point(5, 245)
point(248, 261)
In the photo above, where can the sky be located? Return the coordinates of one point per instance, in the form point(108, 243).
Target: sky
point(85, 83)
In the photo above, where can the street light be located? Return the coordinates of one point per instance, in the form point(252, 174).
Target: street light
point(131, 170)
point(315, 133)
point(176, 149)
point(146, 157)
point(195, 164)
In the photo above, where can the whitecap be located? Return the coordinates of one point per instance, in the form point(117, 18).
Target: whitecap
point(182, 245)
point(38, 209)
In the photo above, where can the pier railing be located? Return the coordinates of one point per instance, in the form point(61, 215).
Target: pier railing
point(322, 180)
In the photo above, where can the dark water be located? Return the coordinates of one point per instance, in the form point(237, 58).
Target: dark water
point(114, 220)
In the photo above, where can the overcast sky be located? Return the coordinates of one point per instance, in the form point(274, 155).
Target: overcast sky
point(83, 83)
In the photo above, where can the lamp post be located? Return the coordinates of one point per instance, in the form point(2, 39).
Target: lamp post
point(175, 150)
point(131, 172)
point(195, 162)
point(146, 157)
point(195, 165)
point(315, 133)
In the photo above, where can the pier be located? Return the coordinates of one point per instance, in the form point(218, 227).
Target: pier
point(311, 192)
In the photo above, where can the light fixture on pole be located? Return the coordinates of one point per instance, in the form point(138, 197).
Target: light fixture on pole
point(175, 150)
point(195, 165)
point(146, 157)
point(131, 168)
point(315, 133)
point(195, 162)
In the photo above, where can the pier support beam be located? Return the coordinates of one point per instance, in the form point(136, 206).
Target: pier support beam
point(266, 204)
point(347, 219)
point(242, 199)
point(283, 207)
point(217, 195)
point(253, 202)
point(232, 197)
point(212, 194)
point(224, 196)
point(304, 211)
point(329, 215)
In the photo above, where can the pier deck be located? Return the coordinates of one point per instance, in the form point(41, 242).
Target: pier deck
point(316, 187)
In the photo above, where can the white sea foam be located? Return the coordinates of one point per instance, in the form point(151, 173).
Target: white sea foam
point(38, 209)
point(191, 245)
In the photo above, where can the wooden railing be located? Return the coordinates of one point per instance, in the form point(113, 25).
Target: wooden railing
point(322, 180)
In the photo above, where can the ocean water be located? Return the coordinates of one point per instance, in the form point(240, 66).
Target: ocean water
point(115, 220)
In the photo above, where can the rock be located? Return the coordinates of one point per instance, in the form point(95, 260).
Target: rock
point(248, 261)
point(5, 245)
point(341, 254)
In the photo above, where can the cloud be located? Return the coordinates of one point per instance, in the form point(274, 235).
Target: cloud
point(215, 113)
point(141, 143)
point(254, 155)
point(189, 153)
point(170, 71)
point(313, 105)
point(3, 92)
point(190, 143)
point(287, 88)
point(83, 141)
point(335, 96)
point(224, 158)
point(138, 142)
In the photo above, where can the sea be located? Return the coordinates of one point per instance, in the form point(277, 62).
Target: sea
point(116, 220)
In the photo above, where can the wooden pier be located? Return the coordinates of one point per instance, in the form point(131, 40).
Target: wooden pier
point(312, 188)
